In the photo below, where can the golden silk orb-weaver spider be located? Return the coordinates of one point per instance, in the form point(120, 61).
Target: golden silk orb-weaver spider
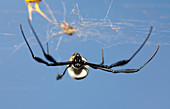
point(78, 66)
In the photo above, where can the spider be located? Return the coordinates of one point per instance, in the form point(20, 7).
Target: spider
point(67, 29)
point(77, 65)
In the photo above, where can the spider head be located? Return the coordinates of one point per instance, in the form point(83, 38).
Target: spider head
point(77, 60)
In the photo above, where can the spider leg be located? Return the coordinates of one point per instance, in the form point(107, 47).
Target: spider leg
point(123, 62)
point(30, 9)
point(47, 56)
point(39, 59)
point(126, 71)
point(150, 58)
point(102, 58)
point(129, 70)
point(60, 75)
point(41, 13)
point(96, 66)
point(47, 48)
point(36, 58)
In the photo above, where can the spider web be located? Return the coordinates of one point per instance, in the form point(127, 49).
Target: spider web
point(87, 28)
point(102, 29)
point(100, 25)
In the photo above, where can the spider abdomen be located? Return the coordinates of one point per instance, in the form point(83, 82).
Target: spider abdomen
point(78, 73)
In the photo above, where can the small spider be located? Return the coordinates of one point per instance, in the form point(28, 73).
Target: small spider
point(67, 29)
point(77, 65)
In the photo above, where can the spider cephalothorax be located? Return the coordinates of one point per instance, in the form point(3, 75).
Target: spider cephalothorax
point(77, 60)
point(77, 65)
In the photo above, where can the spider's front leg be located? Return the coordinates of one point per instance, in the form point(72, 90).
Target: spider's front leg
point(47, 56)
point(40, 60)
point(34, 57)
point(123, 62)
point(128, 70)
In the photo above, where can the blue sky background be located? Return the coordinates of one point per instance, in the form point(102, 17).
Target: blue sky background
point(26, 84)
